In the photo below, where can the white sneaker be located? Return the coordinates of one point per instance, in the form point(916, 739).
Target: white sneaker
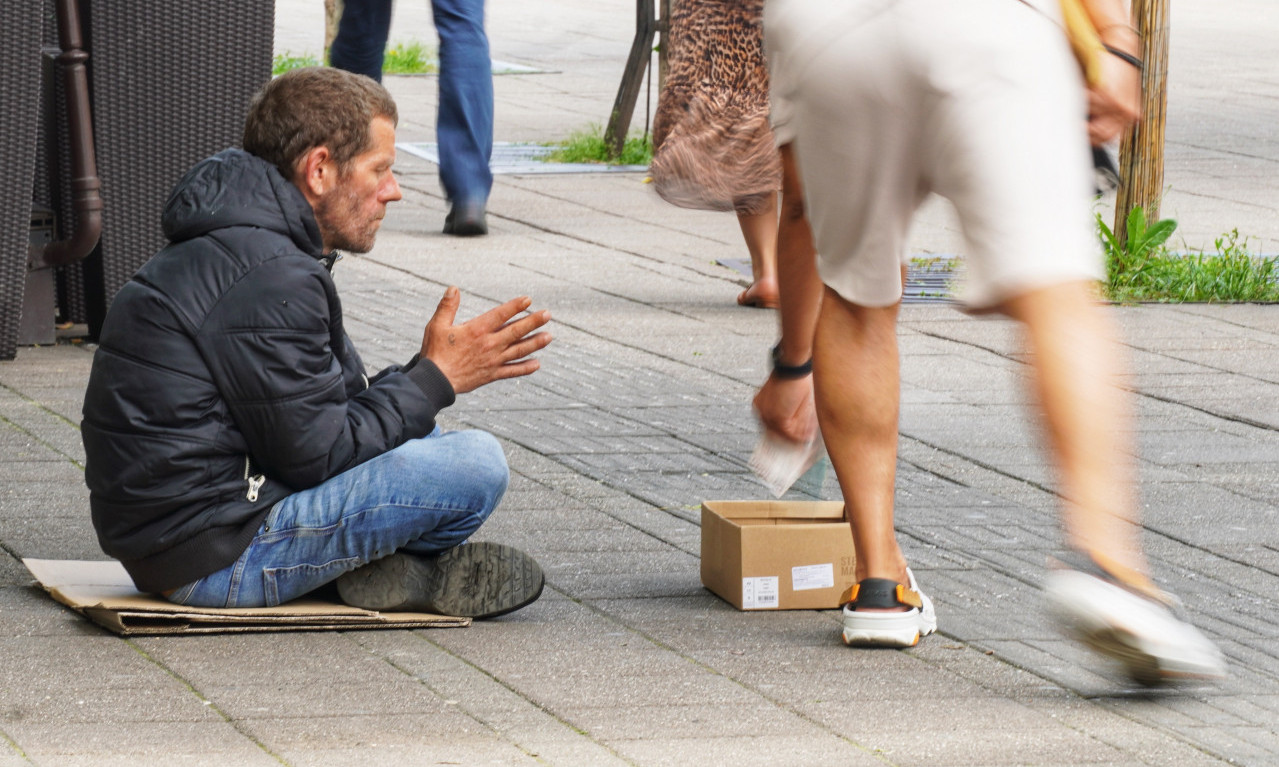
point(1153, 645)
point(887, 629)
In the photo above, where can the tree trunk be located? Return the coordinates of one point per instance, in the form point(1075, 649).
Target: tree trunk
point(1141, 152)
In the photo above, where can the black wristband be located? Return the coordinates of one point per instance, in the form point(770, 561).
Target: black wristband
point(782, 370)
point(1128, 57)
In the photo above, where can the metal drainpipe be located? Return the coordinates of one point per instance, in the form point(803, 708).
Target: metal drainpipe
point(86, 200)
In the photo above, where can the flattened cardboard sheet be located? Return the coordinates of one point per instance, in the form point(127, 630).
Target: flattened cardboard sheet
point(103, 592)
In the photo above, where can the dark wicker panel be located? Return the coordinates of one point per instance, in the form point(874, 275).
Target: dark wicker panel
point(171, 80)
point(20, 72)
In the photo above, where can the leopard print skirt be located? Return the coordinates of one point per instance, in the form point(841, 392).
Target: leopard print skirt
point(712, 146)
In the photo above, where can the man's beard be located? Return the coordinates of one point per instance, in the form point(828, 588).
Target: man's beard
point(340, 224)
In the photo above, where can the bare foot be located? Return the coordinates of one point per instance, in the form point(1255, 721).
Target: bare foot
point(762, 294)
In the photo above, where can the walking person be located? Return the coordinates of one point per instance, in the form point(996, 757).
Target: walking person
point(712, 146)
point(885, 102)
point(464, 116)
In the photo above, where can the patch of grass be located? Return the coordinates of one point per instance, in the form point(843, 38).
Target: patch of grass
point(283, 62)
point(411, 58)
point(588, 146)
point(1143, 269)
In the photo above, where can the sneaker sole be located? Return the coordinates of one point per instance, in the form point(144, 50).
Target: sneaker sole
point(474, 580)
point(1094, 613)
point(893, 630)
point(1141, 666)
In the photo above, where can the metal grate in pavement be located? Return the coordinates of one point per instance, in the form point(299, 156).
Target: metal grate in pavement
point(512, 159)
point(928, 278)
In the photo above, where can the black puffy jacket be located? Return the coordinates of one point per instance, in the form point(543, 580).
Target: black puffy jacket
point(224, 381)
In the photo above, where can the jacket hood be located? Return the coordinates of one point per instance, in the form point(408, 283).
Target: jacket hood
point(235, 188)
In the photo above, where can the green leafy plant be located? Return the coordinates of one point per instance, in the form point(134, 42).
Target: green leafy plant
point(588, 146)
point(411, 58)
point(1142, 269)
point(1129, 265)
point(283, 62)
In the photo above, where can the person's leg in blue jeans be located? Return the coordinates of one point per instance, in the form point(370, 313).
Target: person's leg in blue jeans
point(464, 123)
point(361, 39)
point(425, 497)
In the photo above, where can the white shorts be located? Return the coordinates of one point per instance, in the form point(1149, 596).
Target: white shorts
point(980, 101)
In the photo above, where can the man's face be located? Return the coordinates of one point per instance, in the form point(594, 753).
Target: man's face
point(349, 216)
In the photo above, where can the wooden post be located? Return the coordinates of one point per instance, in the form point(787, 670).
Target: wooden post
point(619, 121)
point(1141, 152)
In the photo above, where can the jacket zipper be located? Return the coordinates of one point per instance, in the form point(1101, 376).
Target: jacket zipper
point(255, 481)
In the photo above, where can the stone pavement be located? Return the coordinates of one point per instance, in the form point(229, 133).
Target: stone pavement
point(639, 413)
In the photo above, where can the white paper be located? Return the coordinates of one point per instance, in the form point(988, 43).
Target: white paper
point(760, 593)
point(806, 577)
point(779, 462)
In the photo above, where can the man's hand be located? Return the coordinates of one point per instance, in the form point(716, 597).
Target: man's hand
point(786, 408)
point(1115, 102)
point(488, 348)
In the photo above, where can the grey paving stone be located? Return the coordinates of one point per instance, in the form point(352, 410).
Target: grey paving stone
point(9, 757)
point(28, 610)
point(455, 748)
point(831, 672)
point(811, 633)
point(1114, 726)
point(623, 721)
point(615, 539)
point(36, 527)
point(1077, 670)
point(697, 687)
point(164, 700)
point(1049, 746)
point(71, 663)
point(572, 516)
point(640, 586)
point(748, 751)
point(1239, 745)
point(379, 695)
point(12, 573)
point(559, 745)
point(203, 759)
point(232, 660)
point(209, 743)
point(1201, 514)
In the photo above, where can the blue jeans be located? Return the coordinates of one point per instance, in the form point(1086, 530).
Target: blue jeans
point(464, 120)
point(424, 496)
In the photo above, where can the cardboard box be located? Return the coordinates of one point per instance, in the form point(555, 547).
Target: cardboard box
point(103, 592)
point(777, 555)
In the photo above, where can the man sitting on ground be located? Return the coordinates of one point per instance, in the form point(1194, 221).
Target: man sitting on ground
point(237, 454)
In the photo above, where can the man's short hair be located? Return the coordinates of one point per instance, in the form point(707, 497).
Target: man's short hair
point(314, 106)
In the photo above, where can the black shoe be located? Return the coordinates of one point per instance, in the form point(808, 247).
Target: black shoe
point(1105, 170)
point(474, 580)
point(466, 219)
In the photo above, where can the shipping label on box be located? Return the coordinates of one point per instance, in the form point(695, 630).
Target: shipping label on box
point(759, 593)
point(777, 555)
point(807, 577)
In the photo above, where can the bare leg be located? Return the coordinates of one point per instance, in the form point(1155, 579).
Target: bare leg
point(760, 233)
point(857, 386)
point(1076, 361)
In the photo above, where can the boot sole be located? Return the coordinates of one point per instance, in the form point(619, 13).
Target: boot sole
point(474, 580)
